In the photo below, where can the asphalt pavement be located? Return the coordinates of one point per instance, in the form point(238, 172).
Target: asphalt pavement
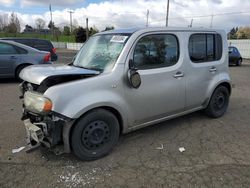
point(217, 151)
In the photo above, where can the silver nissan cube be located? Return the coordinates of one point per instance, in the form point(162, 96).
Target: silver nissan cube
point(122, 80)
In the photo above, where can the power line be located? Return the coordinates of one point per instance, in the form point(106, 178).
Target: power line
point(204, 16)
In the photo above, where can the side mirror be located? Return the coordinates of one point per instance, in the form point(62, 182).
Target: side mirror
point(133, 76)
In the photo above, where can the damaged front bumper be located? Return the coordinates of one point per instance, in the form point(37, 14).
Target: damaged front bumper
point(49, 131)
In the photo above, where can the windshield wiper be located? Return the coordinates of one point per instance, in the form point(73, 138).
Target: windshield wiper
point(89, 68)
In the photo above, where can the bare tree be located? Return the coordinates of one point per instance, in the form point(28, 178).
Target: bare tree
point(3, 21)
point(40, 23)
point(14, 24)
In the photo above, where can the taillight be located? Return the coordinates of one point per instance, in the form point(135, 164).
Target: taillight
point(46, 58)
point(54, 50)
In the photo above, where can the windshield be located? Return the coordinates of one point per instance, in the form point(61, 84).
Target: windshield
point(101, 52)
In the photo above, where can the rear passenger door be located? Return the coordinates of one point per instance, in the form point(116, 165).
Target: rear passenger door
point(205, 51)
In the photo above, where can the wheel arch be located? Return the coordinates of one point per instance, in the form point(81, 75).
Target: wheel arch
point(224, 83)
point(67, 132)
point(227, 85)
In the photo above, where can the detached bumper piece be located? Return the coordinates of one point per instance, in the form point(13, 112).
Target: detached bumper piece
point(34, 135)
point(46, 133)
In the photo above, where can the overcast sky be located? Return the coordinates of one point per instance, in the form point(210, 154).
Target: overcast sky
point(132, 13)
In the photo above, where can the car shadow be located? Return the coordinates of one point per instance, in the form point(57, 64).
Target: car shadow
point(165, 126)
point(8, 80)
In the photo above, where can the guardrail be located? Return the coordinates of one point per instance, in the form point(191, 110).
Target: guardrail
point(70, 46)
point(242, 45)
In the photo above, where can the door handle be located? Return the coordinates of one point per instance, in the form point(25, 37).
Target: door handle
point(212, 69)
point(179, 75)
point(13, 57)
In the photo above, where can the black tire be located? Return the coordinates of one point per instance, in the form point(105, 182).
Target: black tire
point(218, 103)
point(18, 70)
point(239, 62)
point(95, 135)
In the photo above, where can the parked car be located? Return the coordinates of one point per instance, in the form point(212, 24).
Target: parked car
point(40, 44)
point(15, 56)
point(122, 80)
point(234, 56)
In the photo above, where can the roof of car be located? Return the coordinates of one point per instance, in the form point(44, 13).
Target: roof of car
point(19, 45)
point(148, 29)
point(17, 38)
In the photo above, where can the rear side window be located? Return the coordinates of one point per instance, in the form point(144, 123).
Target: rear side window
point(43, 45)
point(21, 50)
point(27, 42)
point(156, 51)
point(7, 49)
point(205, 47)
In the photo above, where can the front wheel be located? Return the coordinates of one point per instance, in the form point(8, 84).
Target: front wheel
point(95, 135)
point(218, 103)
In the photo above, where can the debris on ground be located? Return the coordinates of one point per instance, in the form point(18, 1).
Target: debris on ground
point(17, 150)
point(182, 149)
point(160, 148)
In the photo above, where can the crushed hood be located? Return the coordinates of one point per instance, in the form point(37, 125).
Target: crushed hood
point(36, 74)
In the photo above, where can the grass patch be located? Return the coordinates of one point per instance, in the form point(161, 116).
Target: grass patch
point(60, 38)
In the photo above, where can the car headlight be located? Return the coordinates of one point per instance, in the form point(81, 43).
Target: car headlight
point(37, 103)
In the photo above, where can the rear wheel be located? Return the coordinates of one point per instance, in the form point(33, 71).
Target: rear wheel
point(95, 135)
point(218, 103)
point(239, 62)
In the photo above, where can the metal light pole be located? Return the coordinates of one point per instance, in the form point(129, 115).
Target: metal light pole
point(212, 18)
point(71, 27)
point(167, 13)
point(147, 18)
point(51, 21)
point(87, 28)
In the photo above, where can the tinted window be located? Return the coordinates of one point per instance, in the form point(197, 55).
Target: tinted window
point(27, 42)
point(42, 45)
point(205, 47)
point(155, 51)
point(210, 48)
point(7, 49)
point(197, 47)
point(21, 50)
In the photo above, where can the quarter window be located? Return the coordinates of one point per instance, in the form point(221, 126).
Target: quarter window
point(205, 47)
point(156, 51)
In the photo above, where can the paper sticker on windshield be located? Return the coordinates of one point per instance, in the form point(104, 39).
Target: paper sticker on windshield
point(119, 38)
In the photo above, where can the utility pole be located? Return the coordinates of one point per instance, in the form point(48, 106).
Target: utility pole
point(167, 13)
point(87, 28)
point(70, 13)
point(211, 24)
point(191, 24)
point(51, 21)
point(147, 18)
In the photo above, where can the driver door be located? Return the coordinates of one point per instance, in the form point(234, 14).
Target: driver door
point(162, 89)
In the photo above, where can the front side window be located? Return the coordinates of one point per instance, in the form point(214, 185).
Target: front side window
point(101, 52)
point(7, 49)
point(205, 47)
point(156, 51)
